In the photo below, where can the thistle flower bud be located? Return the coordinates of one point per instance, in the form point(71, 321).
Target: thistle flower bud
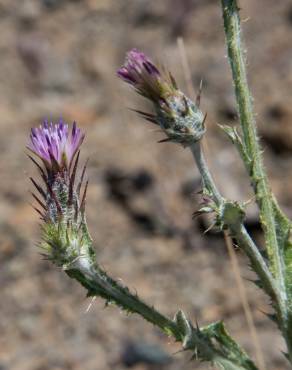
point(61, 205)
point(179, 117)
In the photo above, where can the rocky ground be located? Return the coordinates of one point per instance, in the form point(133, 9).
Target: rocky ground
point(58, 59)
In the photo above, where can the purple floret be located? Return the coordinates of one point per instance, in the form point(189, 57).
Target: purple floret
point(137, 62)
point(140, 72)
point(55, 144)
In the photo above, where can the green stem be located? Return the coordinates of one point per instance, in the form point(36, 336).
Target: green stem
point(251, 144)
point(97, 282)
point(238, 230)
point(211, 343)
point(207, 178)
point(254, 163)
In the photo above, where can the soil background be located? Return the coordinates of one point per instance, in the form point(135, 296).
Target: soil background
point(59, 59)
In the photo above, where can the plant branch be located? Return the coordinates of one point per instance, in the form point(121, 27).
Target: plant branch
point(237, 229)
point(250, 138)
point(228, 240)
point(245, 303)
point(211, 343)
point(97, 282)
point(276, 227)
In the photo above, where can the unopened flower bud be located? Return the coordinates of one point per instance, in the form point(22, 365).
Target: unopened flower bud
point(179, 117)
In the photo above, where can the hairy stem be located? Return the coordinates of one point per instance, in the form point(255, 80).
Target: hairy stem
point(238, 230)
point(211, 343)
point(250, 138)
point(208, 182)
point(97, 282)
point(254, 161)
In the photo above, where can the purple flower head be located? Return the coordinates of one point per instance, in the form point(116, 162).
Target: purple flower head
point(140, 72)
point(55, 144)
point(177, 115)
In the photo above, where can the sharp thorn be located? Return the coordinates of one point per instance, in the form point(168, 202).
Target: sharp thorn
point(152, 120)
point(204, 119)
point(72, 179)
point(145, 114)
point(81, 178)
point(164, 140)
point(38, 165)
point(38, 187)
point(38, 211)
point(172, 80)
point(82, 205)
point(186, 110)
point(39, 201)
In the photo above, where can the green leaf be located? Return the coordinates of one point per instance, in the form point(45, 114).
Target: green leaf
point(232, 356)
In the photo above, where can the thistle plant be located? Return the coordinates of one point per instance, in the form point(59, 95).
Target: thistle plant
point(61, 198)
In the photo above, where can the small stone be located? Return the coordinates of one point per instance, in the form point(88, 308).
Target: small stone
point(140, 352)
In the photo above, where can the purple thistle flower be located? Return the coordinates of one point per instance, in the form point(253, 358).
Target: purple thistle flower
point(57, 146)
point(140, 72)
point(54, 144)
point(61, 194)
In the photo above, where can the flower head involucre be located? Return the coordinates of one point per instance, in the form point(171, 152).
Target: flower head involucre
point(177, 115)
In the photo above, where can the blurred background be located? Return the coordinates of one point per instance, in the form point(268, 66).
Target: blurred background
point(59, 59)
